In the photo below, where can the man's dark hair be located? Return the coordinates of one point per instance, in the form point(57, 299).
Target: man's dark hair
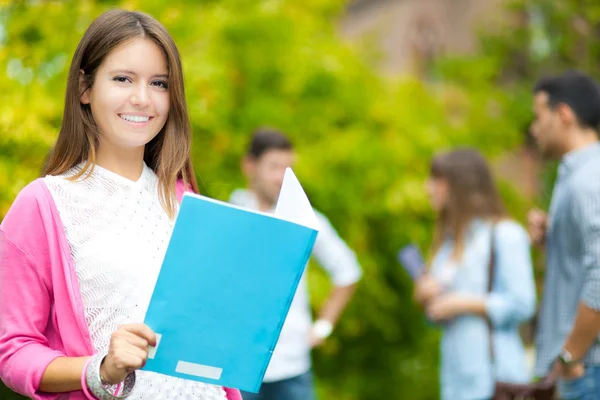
point(265, 139)
point(578, 91)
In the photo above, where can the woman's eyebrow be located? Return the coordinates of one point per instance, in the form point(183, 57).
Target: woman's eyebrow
point(124, 71)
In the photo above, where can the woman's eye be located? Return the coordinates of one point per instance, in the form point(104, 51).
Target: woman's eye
point(121, 79)
point(161, 84)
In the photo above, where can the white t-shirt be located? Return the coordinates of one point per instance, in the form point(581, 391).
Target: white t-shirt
point(118, 233)
point(292, 352)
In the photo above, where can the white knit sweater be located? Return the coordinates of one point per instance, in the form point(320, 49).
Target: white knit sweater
point(118, 233)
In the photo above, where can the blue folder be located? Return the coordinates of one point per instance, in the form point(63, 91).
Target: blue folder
point(411, 259)
point(226, 285)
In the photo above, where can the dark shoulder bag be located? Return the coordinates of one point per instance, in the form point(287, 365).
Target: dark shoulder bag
point(542, 390)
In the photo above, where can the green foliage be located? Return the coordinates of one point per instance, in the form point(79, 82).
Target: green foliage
point(535, 38)
point(364, 144)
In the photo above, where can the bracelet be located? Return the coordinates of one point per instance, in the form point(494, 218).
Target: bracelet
point(84, 386)
point(102, 391)
point(322, 328)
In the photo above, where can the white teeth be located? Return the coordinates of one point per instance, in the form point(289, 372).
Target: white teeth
point(134, 118)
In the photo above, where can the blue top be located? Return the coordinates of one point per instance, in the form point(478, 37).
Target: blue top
point(466, 371)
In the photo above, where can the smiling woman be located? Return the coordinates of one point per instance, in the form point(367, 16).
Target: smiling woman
point(81, 248)
point(129, 100)
point(120, 75)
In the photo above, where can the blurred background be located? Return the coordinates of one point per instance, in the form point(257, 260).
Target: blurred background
point(368, 90)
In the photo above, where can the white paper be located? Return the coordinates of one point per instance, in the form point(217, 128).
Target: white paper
point(293, 204)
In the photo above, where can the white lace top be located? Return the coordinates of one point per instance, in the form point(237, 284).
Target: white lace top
point(118, 233)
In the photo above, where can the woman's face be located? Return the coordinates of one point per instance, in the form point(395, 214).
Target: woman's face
point(130, 96)
point(437, 189)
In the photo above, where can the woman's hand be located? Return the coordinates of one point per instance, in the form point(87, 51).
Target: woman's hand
point(128, 352)
point(426, 289)
point(445, 307)
point(451, 305)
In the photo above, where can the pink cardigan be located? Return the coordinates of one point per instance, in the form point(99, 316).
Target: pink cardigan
point(41, 310)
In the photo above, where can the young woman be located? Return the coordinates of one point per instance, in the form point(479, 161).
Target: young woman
point(470, 216)
point(81, 248)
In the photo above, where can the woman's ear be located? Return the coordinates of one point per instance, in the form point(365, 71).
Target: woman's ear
point(83, 88)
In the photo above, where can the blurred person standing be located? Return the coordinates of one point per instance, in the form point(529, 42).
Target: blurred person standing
point(289, 376)
point(480, 285)
point(567, 115)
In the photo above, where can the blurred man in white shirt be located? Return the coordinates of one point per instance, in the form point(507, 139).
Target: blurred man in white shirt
point(289, 376)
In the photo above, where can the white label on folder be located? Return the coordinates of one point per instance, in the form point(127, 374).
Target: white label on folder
point(202, 371)
point(152, 349)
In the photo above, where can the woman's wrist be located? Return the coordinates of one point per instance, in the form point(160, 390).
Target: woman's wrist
point(95, 385)
point(104, 378)
point(473, 305)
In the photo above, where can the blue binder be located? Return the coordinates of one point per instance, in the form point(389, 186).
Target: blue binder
point(412, 260)
point(226, 285)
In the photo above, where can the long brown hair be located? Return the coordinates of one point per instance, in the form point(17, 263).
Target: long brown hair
point(471, 194)
point(168, 154)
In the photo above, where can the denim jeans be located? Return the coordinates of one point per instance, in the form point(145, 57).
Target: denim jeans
point(296, 388)
point(585, 388)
